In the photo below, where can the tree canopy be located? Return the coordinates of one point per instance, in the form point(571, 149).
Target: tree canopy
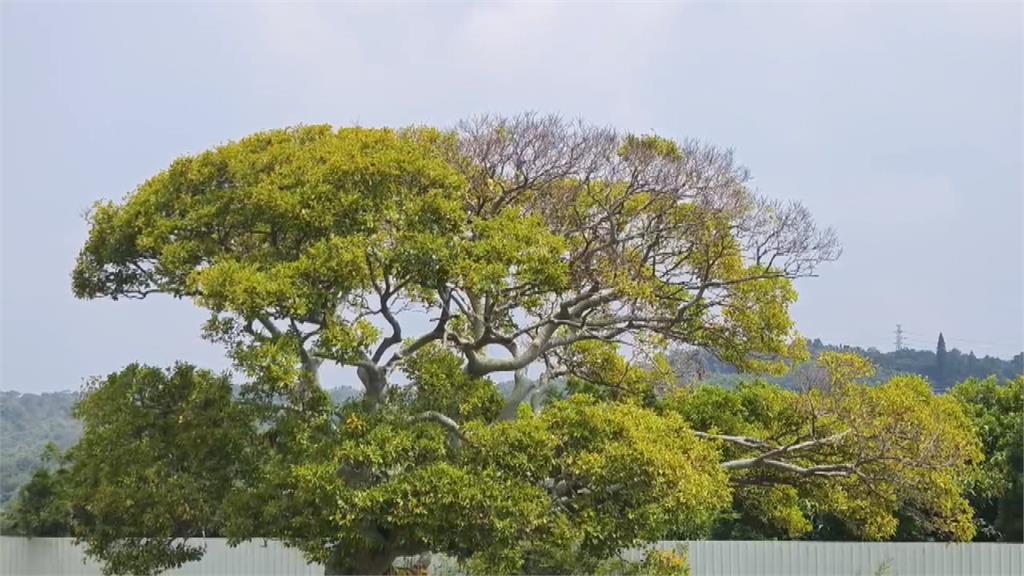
point(527, 235)
point(532, 248)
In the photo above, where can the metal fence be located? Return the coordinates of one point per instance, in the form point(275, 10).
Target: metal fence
point(60, 556)
point(854, 559)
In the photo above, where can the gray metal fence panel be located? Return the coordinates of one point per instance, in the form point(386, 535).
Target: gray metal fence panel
point(854, 559)
point(61, 557)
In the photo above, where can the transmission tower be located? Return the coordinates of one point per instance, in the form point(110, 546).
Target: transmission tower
point(899, 337)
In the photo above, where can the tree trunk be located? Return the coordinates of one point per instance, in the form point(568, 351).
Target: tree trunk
point(375, 561)
point(374, 382)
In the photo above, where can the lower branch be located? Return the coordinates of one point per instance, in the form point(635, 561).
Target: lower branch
point(828, 470)
point(443, 420)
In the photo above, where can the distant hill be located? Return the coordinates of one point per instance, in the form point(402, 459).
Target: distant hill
point(27, 423)
point(958, 365)
point(343, 394)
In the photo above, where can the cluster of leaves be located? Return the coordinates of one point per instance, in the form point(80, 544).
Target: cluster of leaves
point(997, 412)
point(656, 562)
point(861, 454)
point(161, 450)
point(599, 370)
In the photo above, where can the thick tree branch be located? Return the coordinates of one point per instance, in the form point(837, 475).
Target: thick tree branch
point(744, 441)
point(445, 421)
point(570, 310)
point(437, 333)
point(826, 470)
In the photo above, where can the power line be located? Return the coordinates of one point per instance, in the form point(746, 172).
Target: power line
point(915, 335)
point(983, 342)
point(917, 343)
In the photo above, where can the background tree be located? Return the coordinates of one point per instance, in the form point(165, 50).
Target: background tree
point(997, 411)
point(161, 449)
point(42, 507)
point(839, 449)
point(698, 365)
point(941, 378)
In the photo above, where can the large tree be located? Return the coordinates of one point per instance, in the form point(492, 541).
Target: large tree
point(527, 248)
point(524, 235)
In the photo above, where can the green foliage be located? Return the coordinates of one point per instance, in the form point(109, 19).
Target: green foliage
point(443, 386)
point(159, 453)
point(633, 475)
point(761, 326)
point(267, 213)
point(913, 450)
point(617, 475)
point(551, 493)
point(28, 422)
point(599, 370)
point(42, 507)
point(665, 563)
point(655, 563)
point(997, 412)
point(283, 225)
point(372, 479)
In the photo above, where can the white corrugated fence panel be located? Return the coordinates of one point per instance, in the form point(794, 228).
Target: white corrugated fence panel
point(61, 557)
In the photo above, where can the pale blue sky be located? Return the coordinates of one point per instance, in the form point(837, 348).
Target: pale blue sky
point(900, 125)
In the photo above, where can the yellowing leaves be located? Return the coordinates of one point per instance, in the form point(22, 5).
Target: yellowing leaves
point(355, 424)
point(910, 448)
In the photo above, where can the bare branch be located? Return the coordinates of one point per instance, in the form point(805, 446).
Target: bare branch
point(443, 420)
point(743, 441)
point(827, 470)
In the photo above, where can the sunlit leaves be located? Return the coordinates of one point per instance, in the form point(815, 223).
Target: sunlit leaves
point(442, 385)
point(599, 369)
point(907, 447)
point(510, 250)
point(287, 225)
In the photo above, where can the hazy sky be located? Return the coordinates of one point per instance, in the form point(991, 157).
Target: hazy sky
point(899, 125)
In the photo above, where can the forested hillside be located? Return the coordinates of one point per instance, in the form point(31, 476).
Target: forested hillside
point(27, 423)
point(955, 366)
